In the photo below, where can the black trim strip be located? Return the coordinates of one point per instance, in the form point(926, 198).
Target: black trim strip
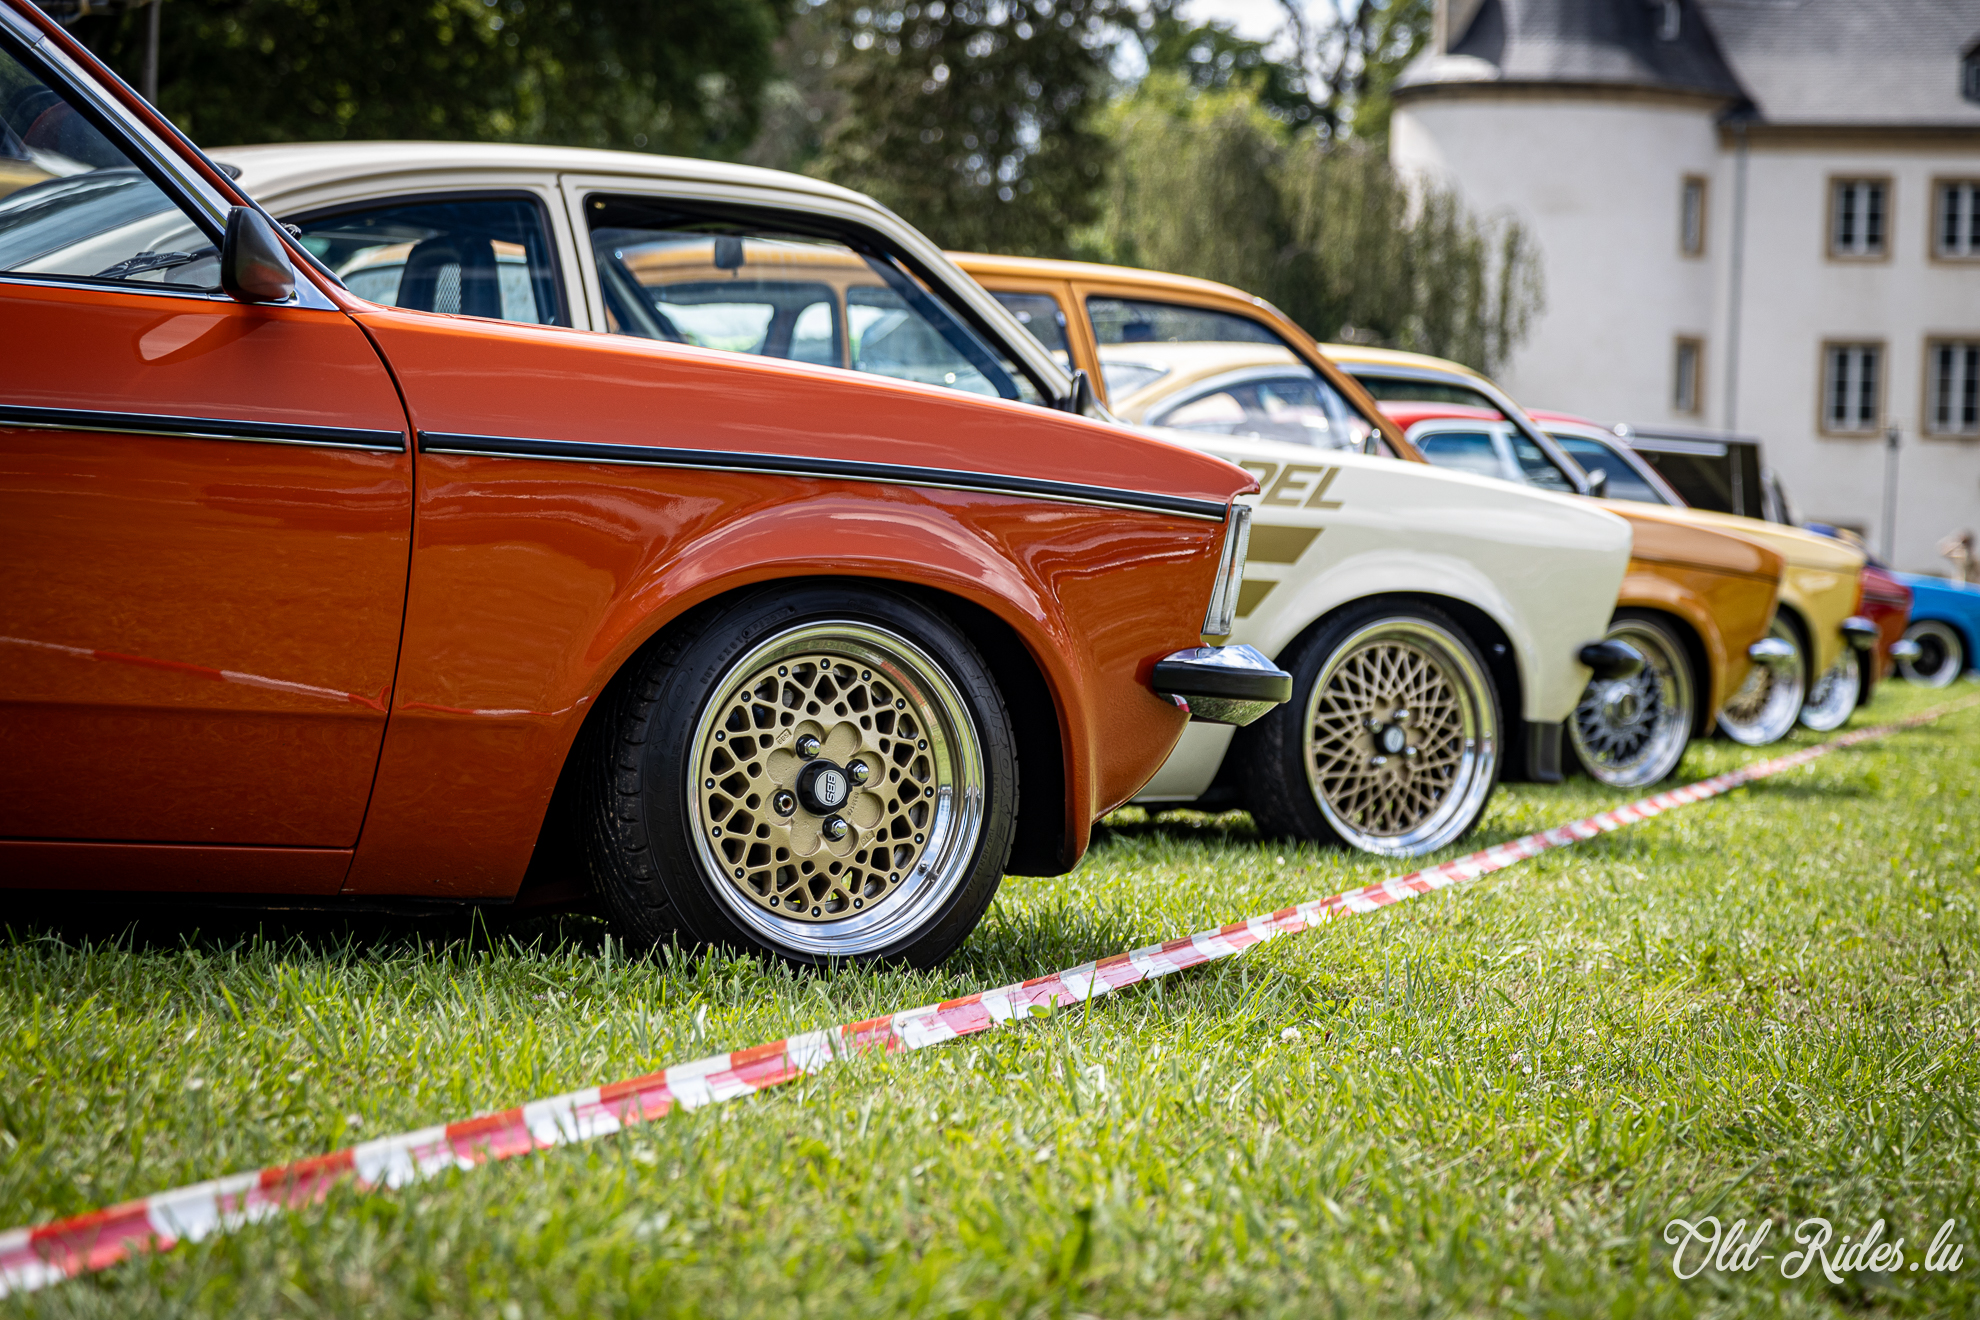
point(897, 474)
point(201, 428)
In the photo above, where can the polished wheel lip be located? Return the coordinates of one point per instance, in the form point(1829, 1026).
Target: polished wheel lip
point(1477, 755)
point(1952, 658)
point(1665, 682)
point(1833, 697)
point(1767, 704)
point(954, 830)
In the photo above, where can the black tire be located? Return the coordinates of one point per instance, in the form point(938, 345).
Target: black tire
point(1941, 654)
point(1626, 733)
point(865, 673)
point(1304, 770)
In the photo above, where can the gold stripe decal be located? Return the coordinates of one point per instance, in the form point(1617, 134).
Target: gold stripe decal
point(1280, 545)
point(1253, 591)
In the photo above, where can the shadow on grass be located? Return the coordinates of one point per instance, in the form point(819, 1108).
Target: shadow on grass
point(168, 923)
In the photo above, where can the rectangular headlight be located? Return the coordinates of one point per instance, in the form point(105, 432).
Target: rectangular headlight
point(1221, 617)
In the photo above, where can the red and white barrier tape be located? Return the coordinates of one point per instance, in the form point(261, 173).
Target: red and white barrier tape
point(32, 1258)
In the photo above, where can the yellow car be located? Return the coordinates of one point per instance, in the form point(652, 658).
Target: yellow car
point(1815, 620)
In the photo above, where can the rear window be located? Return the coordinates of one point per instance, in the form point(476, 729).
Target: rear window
point(1136, 321)
point(1624, 482)
point(1398, 389)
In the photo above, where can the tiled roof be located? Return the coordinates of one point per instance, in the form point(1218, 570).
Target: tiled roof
point(1852, 62)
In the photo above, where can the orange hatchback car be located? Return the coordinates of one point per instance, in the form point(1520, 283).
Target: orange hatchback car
point(308, 595)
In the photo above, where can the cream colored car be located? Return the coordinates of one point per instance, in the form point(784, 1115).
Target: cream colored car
point(1435, 623)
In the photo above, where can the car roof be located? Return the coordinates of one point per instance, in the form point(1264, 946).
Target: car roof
point(1355, 355)
point(1047, 268)
point(1187, 365)
point(1408, 412)
point(288, 166)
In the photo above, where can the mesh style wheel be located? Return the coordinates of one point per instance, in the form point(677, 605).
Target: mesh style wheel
point(818, 774)
point(1833, 695)
point(1769, 701)
point(1627, 732)
point(1941, 654)
point(1390, 743)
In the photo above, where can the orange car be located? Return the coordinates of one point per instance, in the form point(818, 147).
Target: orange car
point(316, 596)
point(1695, 601)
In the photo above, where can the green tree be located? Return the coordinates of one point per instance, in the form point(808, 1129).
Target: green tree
point(668, 75)
point(1213, 185)
point(976, 119)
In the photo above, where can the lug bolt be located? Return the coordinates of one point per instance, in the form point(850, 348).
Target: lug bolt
point(836, 828)
point(785, 802)
point(1401, 716)
point(858, 772)
point(807, 746)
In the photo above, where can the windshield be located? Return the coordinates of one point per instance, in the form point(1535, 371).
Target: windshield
point(73, 205)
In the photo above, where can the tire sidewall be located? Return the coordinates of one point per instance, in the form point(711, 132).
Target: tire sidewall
point(1277, 788)
point(690, 683)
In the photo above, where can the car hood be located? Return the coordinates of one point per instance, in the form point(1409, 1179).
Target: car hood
point(1679, 536)
point(1801, 549)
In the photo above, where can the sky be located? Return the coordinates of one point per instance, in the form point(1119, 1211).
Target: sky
point(1253, 19)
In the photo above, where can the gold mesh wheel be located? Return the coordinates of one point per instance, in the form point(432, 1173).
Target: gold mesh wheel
point(838, 786)
point(1400, 746)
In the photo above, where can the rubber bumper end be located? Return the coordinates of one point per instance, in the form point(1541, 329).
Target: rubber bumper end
point(1222, 684)
point(1611, 659)
point(1860, 633)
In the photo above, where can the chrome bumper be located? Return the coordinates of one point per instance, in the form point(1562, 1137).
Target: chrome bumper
point(1222, 684)
point(1859, 632)
point(1905, 650)
point(1773, 653)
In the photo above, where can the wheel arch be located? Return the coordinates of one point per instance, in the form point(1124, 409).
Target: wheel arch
point(1038, 710)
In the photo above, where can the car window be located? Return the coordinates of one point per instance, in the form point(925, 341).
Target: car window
point(1537, 466)
point(1041, 314)
point(1624, 482)
point(1394, 389)
point(1139, 321)
point(75, 206)
point(746, 284)
point(1462, 451)
point(480, 256)
point(1297, 408)
point(1124, 378)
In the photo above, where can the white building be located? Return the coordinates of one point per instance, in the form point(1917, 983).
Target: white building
point(1753, 215)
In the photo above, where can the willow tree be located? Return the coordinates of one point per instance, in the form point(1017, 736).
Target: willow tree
point(1212, 185)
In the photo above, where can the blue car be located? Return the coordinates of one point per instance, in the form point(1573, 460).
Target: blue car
point(1945, 625)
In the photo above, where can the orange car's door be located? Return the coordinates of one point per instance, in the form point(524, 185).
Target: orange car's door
point(205, 512)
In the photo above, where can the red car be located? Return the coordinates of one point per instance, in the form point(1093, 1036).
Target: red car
point(308, 595)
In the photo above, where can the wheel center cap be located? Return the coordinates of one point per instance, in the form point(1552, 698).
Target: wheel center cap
point(823, 787)
point(1391, 739)
point(1622, 704)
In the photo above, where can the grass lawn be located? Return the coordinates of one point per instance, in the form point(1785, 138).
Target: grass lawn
point(1492, 1098)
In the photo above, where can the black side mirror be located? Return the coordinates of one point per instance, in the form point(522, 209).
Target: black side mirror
point(728, 252)
point(1598, 483)
point(254, 266)
point(1079, 399)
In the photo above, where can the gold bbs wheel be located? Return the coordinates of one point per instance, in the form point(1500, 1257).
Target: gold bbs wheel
point(1400, 737)
point(838, 788)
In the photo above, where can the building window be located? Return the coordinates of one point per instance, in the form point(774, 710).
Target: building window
point(1952, 387)
point(1691, 217)
point(1852, 394)
point(1859, 212)
point(1969, 73)
point(1956, 218)
point(1684, 375)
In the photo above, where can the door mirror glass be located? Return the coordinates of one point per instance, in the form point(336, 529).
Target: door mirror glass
point(254, 266)
point(1598, 483)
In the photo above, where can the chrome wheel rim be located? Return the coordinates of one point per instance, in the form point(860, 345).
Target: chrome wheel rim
point(1632, 731)
point(1834, 695)
point(837, 796)
point(1940, 654)
point(1401, 742)
point(1769, 701)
